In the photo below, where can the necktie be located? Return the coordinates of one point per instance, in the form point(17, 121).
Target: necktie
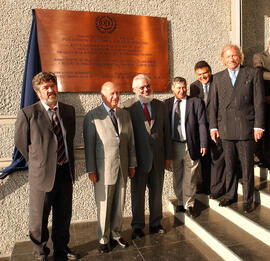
point(61, 154)
point(177, 133)
point(233, 77)
point(114, 120)
point(205, 96)
point(147, 113)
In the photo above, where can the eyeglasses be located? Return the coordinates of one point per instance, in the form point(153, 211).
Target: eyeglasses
point(148, 86)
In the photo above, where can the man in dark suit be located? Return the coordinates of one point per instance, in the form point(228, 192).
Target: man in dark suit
point(262, 61)
point(44, 134)
point(189, 135)
point(153, 150)
point(213, 163)
point(110, 159)
point(237, 117)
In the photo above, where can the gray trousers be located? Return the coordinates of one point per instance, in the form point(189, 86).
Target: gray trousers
point(185, 172)
point(110, 201)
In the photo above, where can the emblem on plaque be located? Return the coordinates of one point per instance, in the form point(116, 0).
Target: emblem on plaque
point(105, 24)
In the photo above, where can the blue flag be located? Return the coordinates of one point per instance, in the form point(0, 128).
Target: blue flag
point(28, 96)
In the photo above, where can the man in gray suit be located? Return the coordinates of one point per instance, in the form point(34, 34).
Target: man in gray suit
point(153, 150)
point(110, 158)
point(44, 134)
point(237, 117)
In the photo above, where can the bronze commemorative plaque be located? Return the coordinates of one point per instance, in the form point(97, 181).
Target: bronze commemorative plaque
point(86, 49)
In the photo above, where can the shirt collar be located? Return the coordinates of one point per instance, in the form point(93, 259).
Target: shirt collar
point(175, 99)
point(46, 107)
point(236, 70)
point(107, 108)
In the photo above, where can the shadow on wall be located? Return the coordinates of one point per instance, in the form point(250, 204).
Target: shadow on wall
point(256, 27)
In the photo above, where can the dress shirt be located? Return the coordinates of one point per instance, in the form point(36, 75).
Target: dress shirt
point(182, 105)
point(47, 108)
point(148, 107)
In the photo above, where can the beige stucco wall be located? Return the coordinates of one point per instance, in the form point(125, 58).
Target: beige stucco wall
point(197, 30)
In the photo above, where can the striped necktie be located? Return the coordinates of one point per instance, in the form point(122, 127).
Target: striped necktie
point(147, 114)
point(61, 154)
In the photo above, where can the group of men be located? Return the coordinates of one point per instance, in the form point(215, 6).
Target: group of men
point(223, 114)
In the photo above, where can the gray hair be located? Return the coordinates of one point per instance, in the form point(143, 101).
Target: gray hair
point(139, 77)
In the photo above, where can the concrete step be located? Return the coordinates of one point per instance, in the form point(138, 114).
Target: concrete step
point(256, 223)
point(261, 192)
point(225, 238)
point(179, 243)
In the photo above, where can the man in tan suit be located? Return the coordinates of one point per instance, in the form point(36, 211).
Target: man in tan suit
point(44, 134)
point(110, 158)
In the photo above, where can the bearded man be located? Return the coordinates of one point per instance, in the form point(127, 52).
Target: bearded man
point(153, 151)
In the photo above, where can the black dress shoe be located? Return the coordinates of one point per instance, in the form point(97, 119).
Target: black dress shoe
point(226, 202)
point(191, 212)
point(214, 196)
point(103, 248)
point(180, 208)
point(247, 207)
point(65, 255)
point(157, 230)
point(119, 241)
point(137, 232)
point(42, 256)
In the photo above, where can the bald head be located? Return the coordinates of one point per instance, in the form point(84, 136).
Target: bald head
point(110, 94)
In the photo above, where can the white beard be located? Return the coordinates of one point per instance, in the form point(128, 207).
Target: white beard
point(147, 99)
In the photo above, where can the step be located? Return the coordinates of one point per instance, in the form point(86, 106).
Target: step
point(256, 223)
point(230, 241)
point(261, 192)
point(179, 243)
point(262, 172)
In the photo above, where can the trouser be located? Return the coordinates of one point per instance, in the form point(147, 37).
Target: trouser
point(242, 150)
point(59, 199)
point(110, 201)
point(186, 172)
point(154, 181)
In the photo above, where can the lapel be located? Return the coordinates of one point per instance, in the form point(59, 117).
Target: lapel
point(188, 107)
point(120, 119)
point(154, 113)
point(141, 114)
point(237, 85)
point(43, 117)
point(103, 114)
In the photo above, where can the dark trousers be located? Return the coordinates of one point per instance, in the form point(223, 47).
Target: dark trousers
point(217, 168)
point(242, 150)
point(154, 181)
point(59, 199)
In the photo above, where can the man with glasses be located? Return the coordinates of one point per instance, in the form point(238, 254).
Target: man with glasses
point(153, 150)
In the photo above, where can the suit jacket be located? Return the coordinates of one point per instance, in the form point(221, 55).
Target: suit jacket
point(195, 124)
point(105, 150)
point(236, 110)
point(196, 90)
point(37, 142)
point(262, 61)
point(153, 143)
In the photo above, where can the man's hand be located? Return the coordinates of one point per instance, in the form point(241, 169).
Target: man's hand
point(258, 134)
point(167, 164)
point(203, 151)
point(214, 135)
point(93, 176)
point(131, 172)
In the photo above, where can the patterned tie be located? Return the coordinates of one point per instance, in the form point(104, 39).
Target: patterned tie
point(146, 112)
point(61, 154)
point(114, 120)
point(177, 133)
